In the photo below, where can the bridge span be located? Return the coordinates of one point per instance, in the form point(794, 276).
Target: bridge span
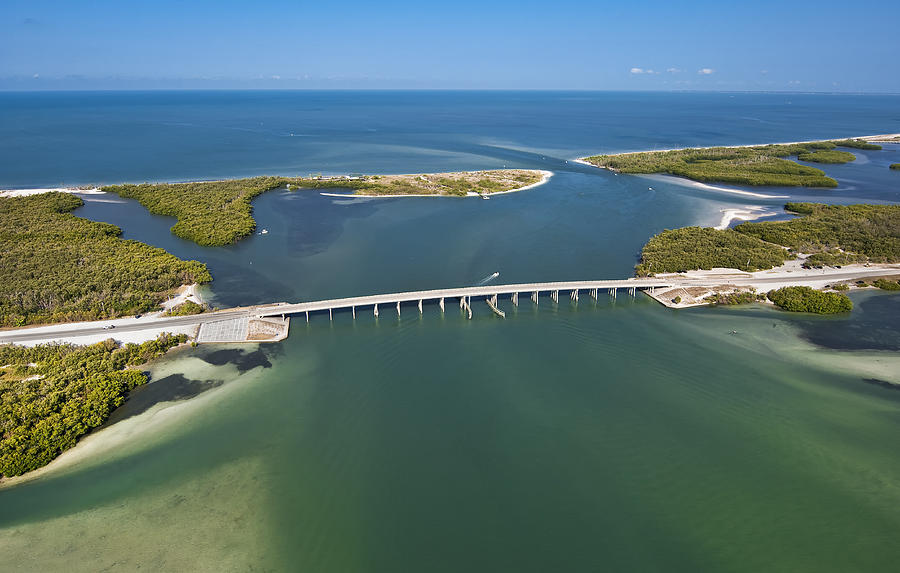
point(270, 322)
point(464, 296)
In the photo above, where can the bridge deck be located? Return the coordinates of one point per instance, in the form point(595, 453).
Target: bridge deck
point(476, 291)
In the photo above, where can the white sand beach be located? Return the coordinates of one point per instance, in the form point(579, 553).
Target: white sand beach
point(747, 213)
point(38, 191)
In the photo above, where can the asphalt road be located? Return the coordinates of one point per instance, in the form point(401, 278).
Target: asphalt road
point(39, 333)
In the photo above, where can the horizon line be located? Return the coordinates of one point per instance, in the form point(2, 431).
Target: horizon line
point(442, 89)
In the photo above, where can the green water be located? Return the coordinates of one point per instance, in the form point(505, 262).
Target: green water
point(603, 436)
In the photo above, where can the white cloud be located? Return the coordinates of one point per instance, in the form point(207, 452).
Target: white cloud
point(673, 70)
point(706, 71)
point(637, 70)
point(764, 72)
point(276, 77)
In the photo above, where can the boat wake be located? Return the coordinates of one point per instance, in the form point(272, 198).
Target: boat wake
point(487, 279)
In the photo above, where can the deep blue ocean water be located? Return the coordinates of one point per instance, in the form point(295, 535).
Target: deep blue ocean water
point(50, 138)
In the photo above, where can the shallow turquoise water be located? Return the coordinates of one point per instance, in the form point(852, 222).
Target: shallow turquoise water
point(617, 435)
point(603, 435)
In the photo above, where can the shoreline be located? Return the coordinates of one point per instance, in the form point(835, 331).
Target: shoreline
point(545, 176)
point(26, 192)
point(663, 170)
point(881, 138)
point(685, 182)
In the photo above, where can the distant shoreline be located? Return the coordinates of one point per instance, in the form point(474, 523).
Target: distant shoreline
point(882, 138)
point(758, 165)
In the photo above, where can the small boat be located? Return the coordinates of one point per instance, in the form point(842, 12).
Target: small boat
point(485, 197)
point(264, 232)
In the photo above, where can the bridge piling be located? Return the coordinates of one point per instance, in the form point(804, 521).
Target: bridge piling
point(554, 295)
point(329, 315)
point(441, 304)
point(398, 308)
point(420, 306)
point(376, 310)
point(353, 308)
point(492, 302)
point(594, 293)
point(307, 317)
point(464, 304)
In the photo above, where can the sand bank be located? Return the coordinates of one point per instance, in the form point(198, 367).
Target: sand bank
point(747, 213)
point(684, 182)
point(185, 293)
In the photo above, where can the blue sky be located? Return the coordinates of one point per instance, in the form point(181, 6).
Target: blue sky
point(652, 45)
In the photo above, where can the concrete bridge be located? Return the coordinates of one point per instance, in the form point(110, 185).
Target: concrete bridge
point(379, 303)
point(270, 322)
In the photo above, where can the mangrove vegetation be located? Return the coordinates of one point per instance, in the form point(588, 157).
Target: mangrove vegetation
point(832, 234)
point(217, 213)
point(56, 267)
point(757, 165)
point(51, 395)
point(827, 156)
point(885, 284)
point(186, 308)
point(806, 299)
point(210, 213)
point(690, 248)
point(868, 233)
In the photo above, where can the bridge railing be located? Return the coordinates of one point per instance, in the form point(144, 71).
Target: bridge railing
point(465, 294)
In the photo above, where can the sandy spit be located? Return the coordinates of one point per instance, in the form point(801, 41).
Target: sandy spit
point(545, 176)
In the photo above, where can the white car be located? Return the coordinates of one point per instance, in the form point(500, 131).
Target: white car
point(109, 327)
